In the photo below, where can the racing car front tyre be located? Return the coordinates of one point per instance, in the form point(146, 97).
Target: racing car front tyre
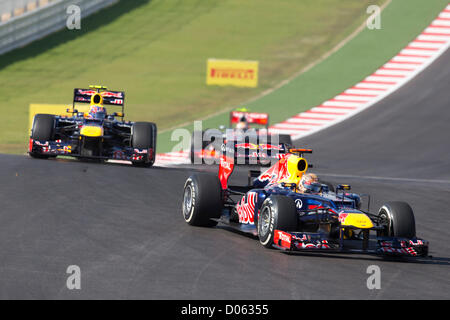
point(277, 213)
point(202, 200)
point(42, 130)
point(143, 136)
point(398, 219)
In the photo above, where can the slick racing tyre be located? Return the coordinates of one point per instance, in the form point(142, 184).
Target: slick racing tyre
point(282, 138)
point(197, 145)
point(202, 200)
point(397, 218)
point(143, 136)
point(286, 139)
point(277, 213)
point(205, 140)
point(329, 185)
point(42, 130)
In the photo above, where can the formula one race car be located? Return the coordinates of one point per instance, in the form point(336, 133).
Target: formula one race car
point(290, 216)
point(95, 134)
point(207, 144)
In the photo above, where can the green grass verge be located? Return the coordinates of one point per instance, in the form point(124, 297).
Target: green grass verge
point(401, 21)
point(157, 50)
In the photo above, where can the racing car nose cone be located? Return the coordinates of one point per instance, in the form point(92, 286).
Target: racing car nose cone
point(91, 131)
point(357, 220)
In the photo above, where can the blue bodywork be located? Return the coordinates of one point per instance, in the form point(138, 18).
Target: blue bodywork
point(319, 223)
point(113, 144)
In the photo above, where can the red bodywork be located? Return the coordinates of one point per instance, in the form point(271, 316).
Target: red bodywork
point(226, 168)
point(251, 117)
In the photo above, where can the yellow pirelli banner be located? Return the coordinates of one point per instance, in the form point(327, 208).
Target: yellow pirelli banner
point(56, 109)
point(238, 73)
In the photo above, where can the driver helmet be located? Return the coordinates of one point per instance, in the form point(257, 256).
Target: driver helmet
point(309, 183)
point(97, 112)
point(242, 124)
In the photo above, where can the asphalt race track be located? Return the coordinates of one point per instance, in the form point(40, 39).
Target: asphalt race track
point(123, 226)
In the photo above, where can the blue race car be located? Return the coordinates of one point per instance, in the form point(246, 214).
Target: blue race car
point(287, 208)
point(95, 134)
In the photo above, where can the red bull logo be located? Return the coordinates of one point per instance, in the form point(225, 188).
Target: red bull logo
point(277, 172)
point(246, 208)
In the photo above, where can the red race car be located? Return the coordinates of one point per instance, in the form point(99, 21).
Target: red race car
point(248, 129)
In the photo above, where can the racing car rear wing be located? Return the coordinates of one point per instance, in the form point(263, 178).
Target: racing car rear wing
point(300, 152)
point(251, 117)
point(258, 153)
point(246, 153)
point(289, 164)
point(116, 98)
point(226, 168)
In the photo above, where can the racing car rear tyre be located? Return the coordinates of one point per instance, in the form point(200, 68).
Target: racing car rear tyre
point(329, 184)
point(192, 153)
point(202, 200)
point(207, 138)
point(42, 130)
point(286, 139)
point(144, 137)
point(398, 219)
point(202, 145)
point(277, 213)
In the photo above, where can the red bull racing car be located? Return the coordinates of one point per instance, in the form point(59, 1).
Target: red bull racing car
point(285, 213)
point(96, 134)
point(206, 145)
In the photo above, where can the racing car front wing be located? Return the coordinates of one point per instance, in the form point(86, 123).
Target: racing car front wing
point(62, 148)
point(317, 242)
